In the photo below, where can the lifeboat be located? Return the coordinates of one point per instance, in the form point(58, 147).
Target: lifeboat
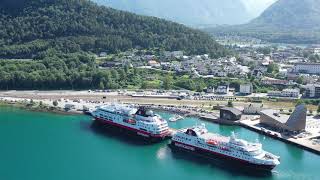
point(130, 121)
point(212, 142)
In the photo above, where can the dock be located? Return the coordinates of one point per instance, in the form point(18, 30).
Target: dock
point(304, 143)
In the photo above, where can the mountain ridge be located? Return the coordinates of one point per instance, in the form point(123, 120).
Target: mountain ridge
point(190, 12)
point(286, 21)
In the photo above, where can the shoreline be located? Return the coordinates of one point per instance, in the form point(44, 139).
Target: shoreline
point(46, 105)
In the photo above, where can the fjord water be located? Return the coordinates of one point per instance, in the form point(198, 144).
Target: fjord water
point(37, 146)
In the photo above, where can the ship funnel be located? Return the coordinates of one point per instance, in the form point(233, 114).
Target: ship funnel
point(203, 125)
point(233, 135)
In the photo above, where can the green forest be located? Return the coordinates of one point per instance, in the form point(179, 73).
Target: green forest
point(79, 71)
point(49, 44)
point(30, 28)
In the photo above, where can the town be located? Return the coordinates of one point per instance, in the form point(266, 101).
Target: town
point(289, 72)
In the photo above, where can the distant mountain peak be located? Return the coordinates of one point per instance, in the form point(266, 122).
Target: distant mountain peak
point(285, 21)
point(189, 12)
point(300, 14)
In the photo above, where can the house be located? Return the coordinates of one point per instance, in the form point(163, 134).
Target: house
point(103, 54)
point(153, 63)
point(246, 89)
point(210, 89)
point(222, 89)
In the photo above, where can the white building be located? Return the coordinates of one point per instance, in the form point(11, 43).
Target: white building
point(293, 93)
point(306, 68)
point(224, 89)
point(246, 88)
point(253, 109)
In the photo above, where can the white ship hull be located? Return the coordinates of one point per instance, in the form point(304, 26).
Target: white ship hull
point(218, 156)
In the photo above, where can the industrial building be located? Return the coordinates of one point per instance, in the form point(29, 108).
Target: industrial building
point(295, 122)
point(231, 114)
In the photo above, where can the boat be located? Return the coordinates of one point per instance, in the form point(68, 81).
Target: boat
point(199, 141)
point(175, 118)
point(137, 121)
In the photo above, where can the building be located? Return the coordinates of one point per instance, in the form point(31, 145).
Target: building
point(312, 90)
point(306, 68)
point(231, 114)
point(253, 109)
point(272, 81)
point(246, 89)
point(210, 89)
point(222, 89)
point(293, 93)
point(295, 122)
point(154, 63)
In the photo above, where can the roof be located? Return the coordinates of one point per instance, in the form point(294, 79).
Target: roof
point(310, 64)
point(275, 115)
point(232, 110)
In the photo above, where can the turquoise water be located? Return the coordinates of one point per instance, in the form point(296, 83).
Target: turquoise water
point(44, 146)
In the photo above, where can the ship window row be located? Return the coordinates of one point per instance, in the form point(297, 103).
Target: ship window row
point(183, 138)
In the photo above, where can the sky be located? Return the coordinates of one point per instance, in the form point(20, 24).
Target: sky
point(256, 7)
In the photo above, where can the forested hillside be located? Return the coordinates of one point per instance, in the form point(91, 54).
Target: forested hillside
point(52, 42)
point(32, 27)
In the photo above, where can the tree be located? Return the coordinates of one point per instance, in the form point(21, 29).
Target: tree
point(311, 111)
point(273, 68)
point(55, 103)
point(101, 85)
point(230, 104)
point(167, 82)
point(299, 102)
point(318, 110)
point(300, 80)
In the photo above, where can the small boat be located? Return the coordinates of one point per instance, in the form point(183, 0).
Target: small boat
point(175, 118)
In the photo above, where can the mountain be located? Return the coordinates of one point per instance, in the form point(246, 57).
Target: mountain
point(286, 21)
point(256, 7)
point(189, 12)
point(297, 14)
point(33, 27)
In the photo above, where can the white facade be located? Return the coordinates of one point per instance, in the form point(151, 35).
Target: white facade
point(294, 93)
point(222, 90)
point(246, 89)
point(199, 138)
point(307, 68)
point(253, 109)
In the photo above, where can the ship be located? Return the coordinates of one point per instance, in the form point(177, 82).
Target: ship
point(175, 118)
point(199, 141)
point(136, 121)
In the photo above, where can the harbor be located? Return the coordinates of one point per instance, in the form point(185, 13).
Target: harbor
point(88, 151)
point(74, 105)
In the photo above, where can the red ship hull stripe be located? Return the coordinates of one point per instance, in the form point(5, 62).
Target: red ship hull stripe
point(131, 129)
point(226, 156)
